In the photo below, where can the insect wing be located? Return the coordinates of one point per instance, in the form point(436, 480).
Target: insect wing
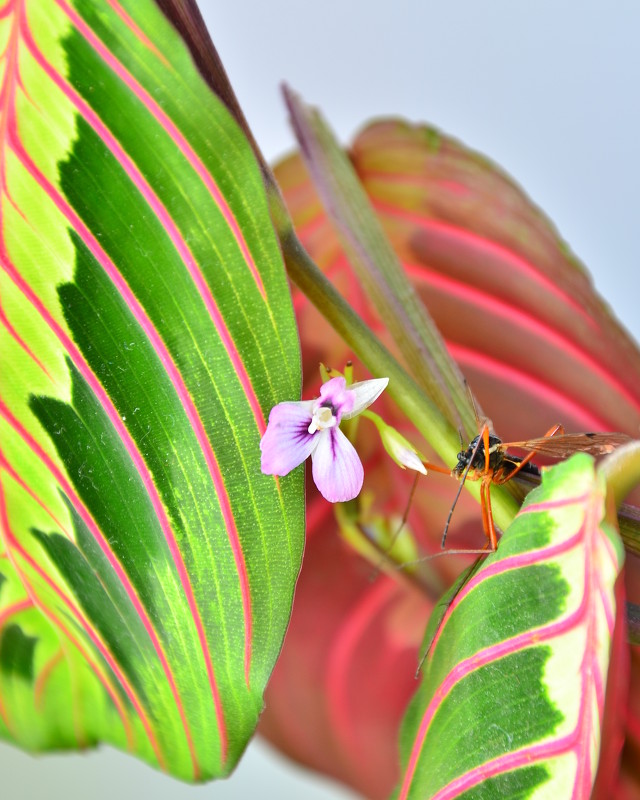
point(566, 444)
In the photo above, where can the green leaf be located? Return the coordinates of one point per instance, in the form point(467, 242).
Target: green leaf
point(513, 691)
point(147, 566)
point(378, 268)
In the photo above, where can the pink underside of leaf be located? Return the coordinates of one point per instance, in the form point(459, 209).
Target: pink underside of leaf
point(339, 664)
point(592, 679)
point(128, 21)
point(318, 514)
point(497, 309)
point(154, 336)
point(511, 262)
point(547, 394)
point(14, 548)
point(543, 390)
point(633, 724)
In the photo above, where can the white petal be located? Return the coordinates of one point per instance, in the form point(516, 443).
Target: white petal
point(400, 450)
point(337, 469)
point(366, 393)
point(287, 441)
point(409, 458)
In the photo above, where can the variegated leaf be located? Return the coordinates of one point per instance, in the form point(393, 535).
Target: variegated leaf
point(146, 330)
point(513, 692)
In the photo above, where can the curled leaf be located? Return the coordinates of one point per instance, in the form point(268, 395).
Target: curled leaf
point(538, 346)
point(513, 691)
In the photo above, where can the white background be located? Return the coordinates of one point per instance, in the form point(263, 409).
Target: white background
point(548, 90)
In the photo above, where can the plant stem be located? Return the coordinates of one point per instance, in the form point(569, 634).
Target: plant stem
point(411, 400)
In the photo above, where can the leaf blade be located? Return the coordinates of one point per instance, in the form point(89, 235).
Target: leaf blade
point(143, 307)
point(544, 611)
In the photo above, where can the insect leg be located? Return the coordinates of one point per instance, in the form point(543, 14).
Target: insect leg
point(442, 608)
point(436, 468)
point(461, 484)
point(554, 431)
point(484, 433)
point(487, 514)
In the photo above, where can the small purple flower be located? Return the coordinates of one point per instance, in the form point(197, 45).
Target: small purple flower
point(297, 430)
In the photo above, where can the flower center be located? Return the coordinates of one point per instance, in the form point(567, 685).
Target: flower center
point(323, 418)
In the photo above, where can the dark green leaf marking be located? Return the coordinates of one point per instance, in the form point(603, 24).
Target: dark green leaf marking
point(17, 653)
point(516, 785)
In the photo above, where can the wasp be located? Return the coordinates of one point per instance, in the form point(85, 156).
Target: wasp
point(487, 459)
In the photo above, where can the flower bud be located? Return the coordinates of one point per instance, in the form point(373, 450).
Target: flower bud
point(401, 451)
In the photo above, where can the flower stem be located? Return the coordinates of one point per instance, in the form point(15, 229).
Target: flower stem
point(412, 401)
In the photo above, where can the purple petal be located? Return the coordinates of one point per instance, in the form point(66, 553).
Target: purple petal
point(337, 469)
point(366, 392)
point(287, 441)
point(335, 394)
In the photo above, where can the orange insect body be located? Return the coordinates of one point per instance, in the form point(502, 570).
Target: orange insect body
point(486, 459)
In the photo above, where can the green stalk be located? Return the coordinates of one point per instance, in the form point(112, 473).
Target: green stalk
point(411, 400)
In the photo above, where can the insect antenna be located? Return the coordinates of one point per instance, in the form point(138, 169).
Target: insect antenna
point(472, 400)
point(398, 531)
point(405, 515)
point(455, 499)
point(443, 606)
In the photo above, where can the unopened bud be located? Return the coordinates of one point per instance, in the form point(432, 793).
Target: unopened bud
point(400, 450)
